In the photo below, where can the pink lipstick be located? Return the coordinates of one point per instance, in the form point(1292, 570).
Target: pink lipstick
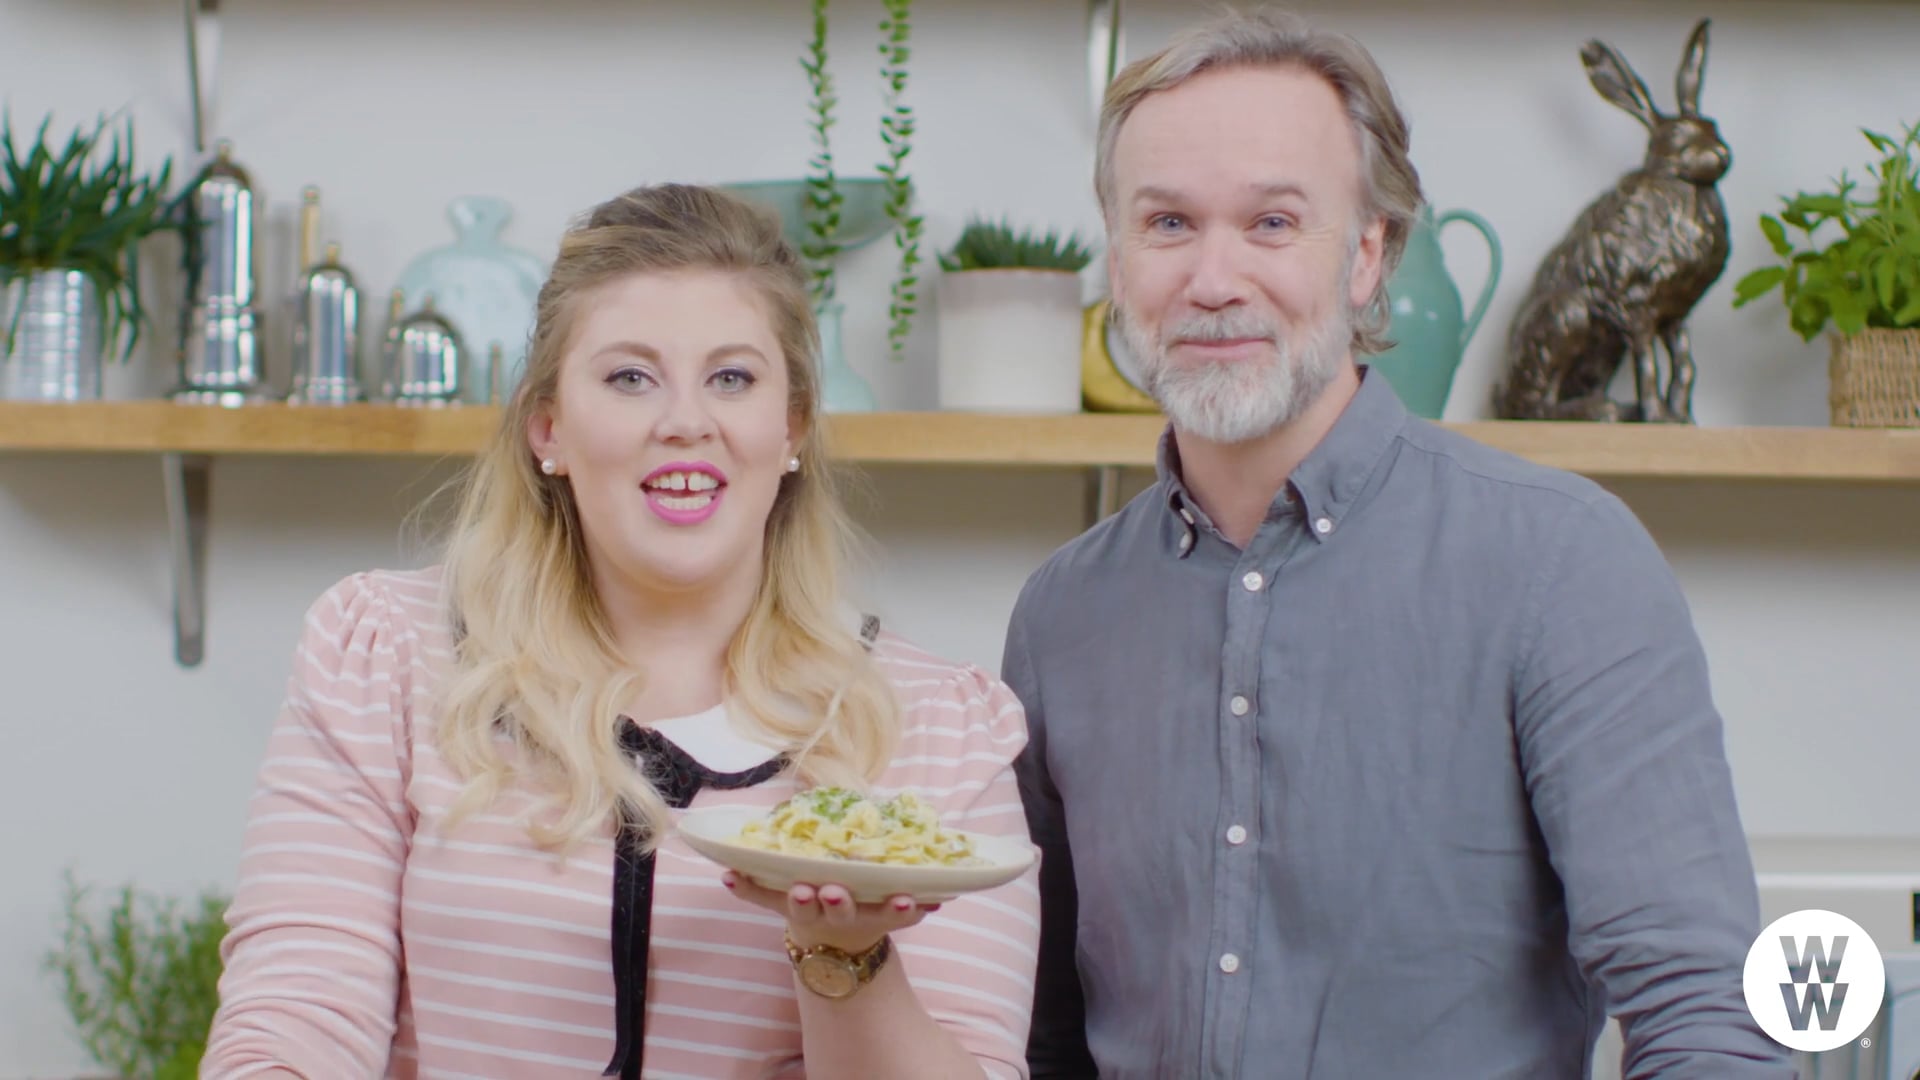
point(684, 492)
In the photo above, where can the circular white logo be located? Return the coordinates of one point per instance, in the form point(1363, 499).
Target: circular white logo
point(1814, 980)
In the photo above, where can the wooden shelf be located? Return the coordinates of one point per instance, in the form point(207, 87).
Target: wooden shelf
point(374, 429)
point(1854, 455)
point(189, 437)
point(1689, 452)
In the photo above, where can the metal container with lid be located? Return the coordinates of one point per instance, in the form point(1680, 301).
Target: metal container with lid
point(219, 349)
point(424, 357)
point(326, 335)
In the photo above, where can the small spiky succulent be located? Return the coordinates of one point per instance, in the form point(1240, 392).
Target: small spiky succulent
point(997, 245)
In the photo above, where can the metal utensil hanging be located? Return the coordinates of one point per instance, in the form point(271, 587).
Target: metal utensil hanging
point(1106, 44)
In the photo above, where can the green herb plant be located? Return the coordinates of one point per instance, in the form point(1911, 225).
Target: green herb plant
point(81, 206)
point(896, 132)
point(141, 979)
point(824, 200)
point(1869, 275)
point(997, 245)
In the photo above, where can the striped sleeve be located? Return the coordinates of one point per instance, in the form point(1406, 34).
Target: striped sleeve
point(312, 953)
point(972, 962)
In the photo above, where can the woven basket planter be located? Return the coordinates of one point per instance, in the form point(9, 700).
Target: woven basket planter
point(1874, 379)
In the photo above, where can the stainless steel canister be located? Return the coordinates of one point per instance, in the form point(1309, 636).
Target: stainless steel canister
point(424, 358)
point(220, 355)
point(326, 335)
point(55, 319)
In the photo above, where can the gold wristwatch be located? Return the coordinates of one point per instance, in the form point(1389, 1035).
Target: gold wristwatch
point(836, 973)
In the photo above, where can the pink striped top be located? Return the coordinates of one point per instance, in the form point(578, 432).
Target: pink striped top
point(364, 943)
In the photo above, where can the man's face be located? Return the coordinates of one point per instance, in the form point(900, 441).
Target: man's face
point(1235, 263)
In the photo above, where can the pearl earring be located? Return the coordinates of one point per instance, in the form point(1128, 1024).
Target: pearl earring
point(547, 466)
point(793, 464)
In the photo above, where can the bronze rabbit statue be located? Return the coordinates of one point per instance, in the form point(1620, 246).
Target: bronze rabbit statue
point(1631, 267)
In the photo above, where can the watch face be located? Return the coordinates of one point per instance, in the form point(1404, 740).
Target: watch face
point(828, 977)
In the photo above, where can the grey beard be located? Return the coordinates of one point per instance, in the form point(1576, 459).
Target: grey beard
point(1243, 400)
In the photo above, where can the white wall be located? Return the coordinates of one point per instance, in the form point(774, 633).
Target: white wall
point(124, 766)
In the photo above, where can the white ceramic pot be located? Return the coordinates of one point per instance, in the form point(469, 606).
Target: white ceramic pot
point(1009, 341)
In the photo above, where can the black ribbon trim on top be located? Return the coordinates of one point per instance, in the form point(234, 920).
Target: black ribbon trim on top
point(679, 778)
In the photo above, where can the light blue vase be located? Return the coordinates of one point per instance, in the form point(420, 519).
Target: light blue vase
point(486, 289)
point(841, 388)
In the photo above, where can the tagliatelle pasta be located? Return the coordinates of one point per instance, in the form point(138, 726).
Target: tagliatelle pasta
point(836, 823)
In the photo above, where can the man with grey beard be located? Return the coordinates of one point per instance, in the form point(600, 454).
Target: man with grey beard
point(1358, 749)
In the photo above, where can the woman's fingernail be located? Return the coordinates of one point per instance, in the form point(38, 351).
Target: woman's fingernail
point(903, 904)
point(930, 908)
point(727, 881)
point(833, 901)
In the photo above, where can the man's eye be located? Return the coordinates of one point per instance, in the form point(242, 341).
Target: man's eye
point(1165, 222)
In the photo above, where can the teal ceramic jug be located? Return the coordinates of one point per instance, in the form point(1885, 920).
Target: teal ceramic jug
point(1430, 328)
point(842, 390)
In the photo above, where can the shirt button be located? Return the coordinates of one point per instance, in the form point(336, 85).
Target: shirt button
point(1236, 835)
point(1229, 963)
point(1186, 541)
point(1253, 581)
point(1323, 526)
point(1186, 515)
point(1239, 705)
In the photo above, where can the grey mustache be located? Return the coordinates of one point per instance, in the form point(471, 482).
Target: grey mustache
point(1220, 329)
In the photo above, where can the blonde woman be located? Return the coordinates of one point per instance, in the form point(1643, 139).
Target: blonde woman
point(460, 859)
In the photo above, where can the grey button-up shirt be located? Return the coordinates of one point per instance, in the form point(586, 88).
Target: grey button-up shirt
point(1426, 781)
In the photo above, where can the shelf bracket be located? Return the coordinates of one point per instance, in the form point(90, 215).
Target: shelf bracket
point(203, 58)
point(1103, 493)
point(187, 496)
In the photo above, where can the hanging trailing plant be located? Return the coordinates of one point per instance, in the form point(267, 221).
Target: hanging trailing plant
point(824, 199)
point(896, 131)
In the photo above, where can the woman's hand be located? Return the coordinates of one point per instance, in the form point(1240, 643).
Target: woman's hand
point(827, 915)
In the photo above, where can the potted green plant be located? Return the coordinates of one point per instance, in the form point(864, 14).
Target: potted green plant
point(72, 217)
point(1859, 281)
point(1011, 320)
point(140, 978)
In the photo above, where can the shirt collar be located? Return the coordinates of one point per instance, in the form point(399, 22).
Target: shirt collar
point(1327, 485)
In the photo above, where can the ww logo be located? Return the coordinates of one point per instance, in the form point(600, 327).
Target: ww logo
point(1799, 974)
point(1819, 995)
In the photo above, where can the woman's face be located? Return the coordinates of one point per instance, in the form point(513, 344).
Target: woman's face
point(671, 423)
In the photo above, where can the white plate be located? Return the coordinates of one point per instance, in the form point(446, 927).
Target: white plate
point(714, 831)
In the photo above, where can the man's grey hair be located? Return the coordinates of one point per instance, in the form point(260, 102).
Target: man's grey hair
point(1389, 184)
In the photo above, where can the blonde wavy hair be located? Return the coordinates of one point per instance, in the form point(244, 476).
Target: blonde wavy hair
point(537, 685)
point(1268, 38)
